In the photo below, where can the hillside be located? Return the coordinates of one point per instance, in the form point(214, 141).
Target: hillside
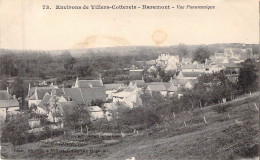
point(222, 138)
point(231, 132)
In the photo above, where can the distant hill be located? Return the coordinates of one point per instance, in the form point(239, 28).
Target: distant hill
point(141, 50)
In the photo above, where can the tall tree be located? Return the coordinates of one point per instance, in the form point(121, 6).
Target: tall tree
point(247, 76)
point(200, 54)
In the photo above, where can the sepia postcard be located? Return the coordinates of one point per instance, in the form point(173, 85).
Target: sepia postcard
point(129, 79)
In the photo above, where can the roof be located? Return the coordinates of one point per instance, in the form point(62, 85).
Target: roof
point(156, 87)
point(231, 65)
point(90, 94)
point(41, 91)
point(192, 66)
point(74, 94)
point(45, 101)
point(186, 60)
point(95, 109)
point(138, 83)
point(219, 60)
point(9, 103)
point(86, 83)
point(173, 88)
point(151, 62)
point(4, 95)
point(191, 74)
point(113, 86)
point(32, 90)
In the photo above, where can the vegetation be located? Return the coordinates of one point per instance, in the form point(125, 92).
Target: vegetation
point(16, 131)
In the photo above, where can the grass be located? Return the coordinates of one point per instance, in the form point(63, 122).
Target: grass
point(229, 134)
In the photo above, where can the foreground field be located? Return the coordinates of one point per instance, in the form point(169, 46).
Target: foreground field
point(230, 132)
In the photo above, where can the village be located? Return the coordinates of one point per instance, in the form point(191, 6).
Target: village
point(89, 105)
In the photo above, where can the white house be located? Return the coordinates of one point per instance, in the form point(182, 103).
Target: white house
point(95, 112)
point(8, 104)
point(129, 96)
point(112, 88)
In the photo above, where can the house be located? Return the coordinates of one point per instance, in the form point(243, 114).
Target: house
point(188, 75)
point(130, 97)
point(111, 88)
point(85, 96)
point(215, 68)
point(172, 89)
point(8, 104)
point(88, 83)
point(36, 94)
point(193, 68)
point(157, 87)
point(95, 112)
point(186, 60)
point(150, 63)
point(239, 53)
point(152, 69)
point(138, 83)
point(232, 67)
point(136, 73)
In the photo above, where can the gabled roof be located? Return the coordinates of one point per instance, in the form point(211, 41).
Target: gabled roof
point(181, 82)
point(90, 94)
point(41, 91)
point(113, 86)
point(156, 87)
point(191, 74)
point(189, 66)
point(231, 65)
point(172, 88)
point(219, 61)
point(9, 103)
point(45, 101)
point(74, 94)
point(4, 95)
point(32, 90)
point(138, 83)
point(150, 63)
point(192, 66)
point(87, 83)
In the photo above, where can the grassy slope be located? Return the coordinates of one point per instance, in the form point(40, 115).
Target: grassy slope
point(221, 138)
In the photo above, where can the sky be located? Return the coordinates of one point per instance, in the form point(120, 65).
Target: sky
point(25, 25)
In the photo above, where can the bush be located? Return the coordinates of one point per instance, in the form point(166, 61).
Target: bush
point(16, 131)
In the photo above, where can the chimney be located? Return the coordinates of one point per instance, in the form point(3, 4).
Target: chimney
point(29, 88)
point(179, 85)
point(77, 82)
point(53, 92)
point(14, 96)
point(36, 93)
point(100, 79)
point(7, 90)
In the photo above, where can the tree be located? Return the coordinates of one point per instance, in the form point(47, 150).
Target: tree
point(247, 76)
point(182, 50)
point(3, 84)
point(78, 117)
point(18, 87)
point(200, 54)
point(16, 130)
point(69, 61)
